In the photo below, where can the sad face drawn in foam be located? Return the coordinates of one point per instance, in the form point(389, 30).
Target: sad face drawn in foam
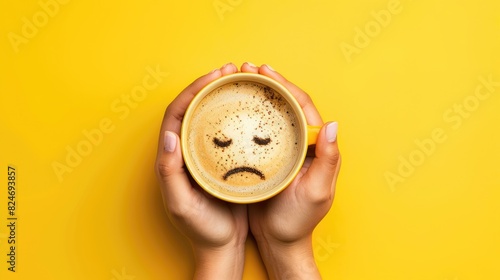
point(257, 140)
point(244, 134)
point(224, 144)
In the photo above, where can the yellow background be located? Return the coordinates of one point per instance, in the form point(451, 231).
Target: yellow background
point(105, 219)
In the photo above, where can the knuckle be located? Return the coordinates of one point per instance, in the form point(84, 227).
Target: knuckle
point(163, 170)
point(320, 197)
point(333, 157)
point(306, 99)
point(160, 171)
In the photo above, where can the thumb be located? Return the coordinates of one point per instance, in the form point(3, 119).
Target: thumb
point(322, 174)
point(175, 184)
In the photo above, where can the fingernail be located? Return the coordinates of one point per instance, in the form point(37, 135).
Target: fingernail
point(170, 141)
point(331, 132)
point(270, 68)
point(229, 63)
point(250, 64)
point(213, 70)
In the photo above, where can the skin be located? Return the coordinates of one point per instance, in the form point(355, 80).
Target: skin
point(282, 225)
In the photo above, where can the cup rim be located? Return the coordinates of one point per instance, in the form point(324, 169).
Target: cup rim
point(245, 77)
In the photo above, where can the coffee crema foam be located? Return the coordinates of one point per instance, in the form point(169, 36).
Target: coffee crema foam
point(244, 138)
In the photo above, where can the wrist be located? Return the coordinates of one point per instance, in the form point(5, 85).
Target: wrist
point(289, 260)
point(219, 262)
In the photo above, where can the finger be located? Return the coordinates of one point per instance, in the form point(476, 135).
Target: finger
point(175, 184)
point(229, 68)
point(249, 68)
point(312, 115)
point(175, 111)
point(321, 176)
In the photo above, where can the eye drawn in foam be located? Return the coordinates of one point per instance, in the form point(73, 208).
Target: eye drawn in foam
point(244, 137)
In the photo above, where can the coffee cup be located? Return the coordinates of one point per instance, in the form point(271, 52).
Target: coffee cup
point(244, 138)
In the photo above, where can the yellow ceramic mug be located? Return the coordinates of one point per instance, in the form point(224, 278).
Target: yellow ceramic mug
point(244, 138)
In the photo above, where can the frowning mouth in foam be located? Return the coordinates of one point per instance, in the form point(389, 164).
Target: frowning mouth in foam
point(225, 143)
point(241, 169)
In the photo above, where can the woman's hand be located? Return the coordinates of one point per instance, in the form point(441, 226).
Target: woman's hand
point(283, 225)
point(217, 230)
